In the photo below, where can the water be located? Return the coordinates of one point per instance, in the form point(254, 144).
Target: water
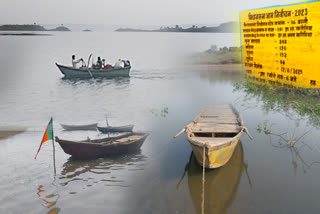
point(163, 176)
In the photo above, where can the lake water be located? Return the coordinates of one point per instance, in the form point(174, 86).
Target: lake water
point(162, 177)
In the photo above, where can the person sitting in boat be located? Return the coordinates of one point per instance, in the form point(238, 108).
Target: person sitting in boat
point(119, 64)
point(75, 62)
point(126, 63)
point(99, 63)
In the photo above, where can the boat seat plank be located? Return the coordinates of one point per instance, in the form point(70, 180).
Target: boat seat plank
point(127, 139)
point(218, 114)
point(216, 128)
point(219, 119)
point(215, 116)
point(215, 124)
point(212, 142)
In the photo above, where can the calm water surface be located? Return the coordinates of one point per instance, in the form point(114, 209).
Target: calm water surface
point(163, 176)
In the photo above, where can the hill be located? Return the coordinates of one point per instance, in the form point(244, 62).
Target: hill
point(30, 28)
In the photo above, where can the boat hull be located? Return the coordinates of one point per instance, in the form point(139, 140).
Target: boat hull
point(79, 127)
point(70, 72)
point(214, 157)
point(215, 131)
point(85, 150)
point(117, 129)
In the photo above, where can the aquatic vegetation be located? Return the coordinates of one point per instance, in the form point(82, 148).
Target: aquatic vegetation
point(231, 55)
point(289, 138)
point(295, 104)
point(162, 112)
point(305, 102)
point(292, 140)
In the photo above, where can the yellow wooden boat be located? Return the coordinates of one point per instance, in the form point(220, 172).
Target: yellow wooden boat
point(214, 134)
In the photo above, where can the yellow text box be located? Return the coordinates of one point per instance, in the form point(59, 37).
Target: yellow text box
point(281, 44)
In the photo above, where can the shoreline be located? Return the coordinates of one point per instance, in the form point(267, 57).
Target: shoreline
point(24, 34)
point(9, 131)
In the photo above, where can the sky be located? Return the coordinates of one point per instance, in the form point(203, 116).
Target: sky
point(126, 12)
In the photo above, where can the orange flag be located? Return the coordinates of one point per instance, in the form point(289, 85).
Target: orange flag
point(48, 135)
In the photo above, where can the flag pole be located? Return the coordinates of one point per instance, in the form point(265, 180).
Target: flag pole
point(54, 153)
point(107, 125)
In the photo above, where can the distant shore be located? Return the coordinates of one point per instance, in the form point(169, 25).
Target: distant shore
point(6, 132)
point(33, 27)
point(228, 27)
point(225, 55)
point(25, 34)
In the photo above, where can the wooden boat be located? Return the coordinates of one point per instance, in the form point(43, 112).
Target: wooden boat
point(127, 128)
point(127, 143)
point(92, 126)
point(85, 72)
point(214, 134)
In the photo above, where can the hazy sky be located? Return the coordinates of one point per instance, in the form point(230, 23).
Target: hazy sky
point(144, 12)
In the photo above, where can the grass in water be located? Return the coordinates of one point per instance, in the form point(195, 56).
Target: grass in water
point(231, 55)
point(306, 102)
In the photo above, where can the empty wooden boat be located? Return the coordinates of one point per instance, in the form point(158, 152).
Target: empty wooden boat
point(118, 129)
point(127, 143)
point(92, 126)
point(214, 134)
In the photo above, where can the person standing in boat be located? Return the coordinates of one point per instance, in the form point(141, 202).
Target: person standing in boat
point(75, 62)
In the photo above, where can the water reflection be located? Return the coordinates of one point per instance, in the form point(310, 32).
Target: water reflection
point(221, 185)
point(89, 170)
point(96, 81)
point(48, 200)
point(221, 76)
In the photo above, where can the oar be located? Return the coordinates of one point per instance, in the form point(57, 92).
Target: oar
point(107, 120)
point(247, 132)
point(179, 133)
point(90, 72)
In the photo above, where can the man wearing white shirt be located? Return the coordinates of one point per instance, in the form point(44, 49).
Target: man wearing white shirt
point(75, 62)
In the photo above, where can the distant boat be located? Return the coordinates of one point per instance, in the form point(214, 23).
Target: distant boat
point(215, 131)
point(127, 143)
point(89, 70)
point(92, 126)
point(85, 72)
point(127, 128)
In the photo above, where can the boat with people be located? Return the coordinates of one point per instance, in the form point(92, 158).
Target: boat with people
point(214, 134)
point(118, 129)
point(92, 126)
point(95, 70)
point(123, 144)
